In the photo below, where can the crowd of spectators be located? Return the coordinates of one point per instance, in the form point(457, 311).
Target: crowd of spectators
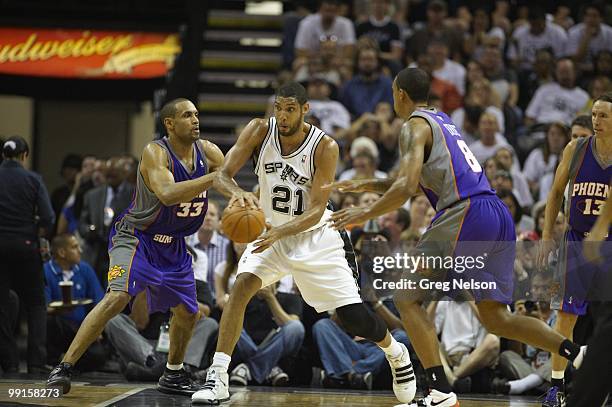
point(519, 85)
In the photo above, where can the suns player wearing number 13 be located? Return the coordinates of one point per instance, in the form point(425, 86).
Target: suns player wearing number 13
point(436, 159)
point(294, 160)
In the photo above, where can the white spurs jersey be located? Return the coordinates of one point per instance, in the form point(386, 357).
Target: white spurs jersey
point(285, 180)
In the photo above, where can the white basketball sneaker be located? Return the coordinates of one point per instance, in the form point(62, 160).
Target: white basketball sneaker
point(435, 398)
point(216, 389)
point(404, 381)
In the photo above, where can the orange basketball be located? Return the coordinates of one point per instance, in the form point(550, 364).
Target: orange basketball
point(241, 224)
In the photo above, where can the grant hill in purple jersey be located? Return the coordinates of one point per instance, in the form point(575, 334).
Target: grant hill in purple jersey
point(147, 246)
point(436, 159)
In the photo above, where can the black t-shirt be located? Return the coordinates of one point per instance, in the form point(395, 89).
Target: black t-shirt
point(258, 320)
point(383, 34)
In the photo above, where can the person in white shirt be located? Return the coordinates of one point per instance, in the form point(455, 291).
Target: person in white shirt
point(466, 345)
point(544, 159)
point(586, 39)
point(490, 138)
point(506, 158)
point(560, 100)
point(326, 25)
point(443, 67)
point(331, 113)
point(480, 93)
point(537, 34)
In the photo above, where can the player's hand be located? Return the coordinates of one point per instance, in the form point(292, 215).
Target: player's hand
point(243, 199)
point(592, 246)
point(545, 248)
point(266, 293)
point(267, 239)
point(348, 216)
point(346, 186)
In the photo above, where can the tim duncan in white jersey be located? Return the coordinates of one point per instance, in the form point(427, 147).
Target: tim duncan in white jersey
point(294, 160)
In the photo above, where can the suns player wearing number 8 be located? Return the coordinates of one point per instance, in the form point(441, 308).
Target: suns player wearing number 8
point(586, 169)
point(436, 159)
point(147, 244)
point(294, 160)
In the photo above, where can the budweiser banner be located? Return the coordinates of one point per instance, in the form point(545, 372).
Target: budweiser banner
point(86, 54)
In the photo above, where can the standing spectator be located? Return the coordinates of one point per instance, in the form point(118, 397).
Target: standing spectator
point(435, 28)
point(326, 25)
point(68, 221)
point(587, 39)
point(71, 165)
point(101, 207)
point(536, 35)
point(490, 138)
point(66, 265)
point(368, 87)
point(209, 242)
point(26, 212)
point(332, 114)
point(443, 67)
point(560, 100)
point(386, 32)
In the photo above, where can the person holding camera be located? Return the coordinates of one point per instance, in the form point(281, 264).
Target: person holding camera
point(26, 214)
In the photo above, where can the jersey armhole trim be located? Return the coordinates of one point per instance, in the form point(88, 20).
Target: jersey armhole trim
point(271, 125)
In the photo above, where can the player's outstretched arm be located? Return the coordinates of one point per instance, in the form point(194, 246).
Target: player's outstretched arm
point(553, 203)
point(414, 137)
point(377, 185)
point(160, 180)
point(248, 142)
point(325, 160)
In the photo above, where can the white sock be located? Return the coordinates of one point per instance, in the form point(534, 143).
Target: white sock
point(174, 367)
point(557, 374)
point(524, 384)
point(394, 350)
point(221, 361)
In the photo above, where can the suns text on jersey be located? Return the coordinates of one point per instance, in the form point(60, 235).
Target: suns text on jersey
point(595, 189)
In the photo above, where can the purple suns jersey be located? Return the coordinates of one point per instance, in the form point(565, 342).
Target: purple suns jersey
point(452, 172)
point(589, 186)
point(146, 212)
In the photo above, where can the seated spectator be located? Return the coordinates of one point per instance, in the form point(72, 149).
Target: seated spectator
point(209, 244)
point(559, 100)
point(603, 64)
point(491, 166)
point(582, 126)
point(468, 352)
point(503, 79)
point(587, 39)
point(331, 113)
point(326, 25)
point(381, 28)
point(395, 223)
point(508, 162)
point(63, 323)
point(541, 74)
point(474, 41)
point(445, 68)
point(272, 333)
point(225, 273)
point(490, 138)
point(436, 27)
point(364, 167)
point(598, 86)
point(449, 95)
point(536, 35)
point(531, 367)
point(482, 95)
point(368, 87)
point(351, 362)
point(525, 263)
point(544, 159)
point(419, 205)
point(504, 187)
point(563, 17)
point(326, 65)
point(138, 340)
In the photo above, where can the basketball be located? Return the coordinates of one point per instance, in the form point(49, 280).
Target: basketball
point(241, 224)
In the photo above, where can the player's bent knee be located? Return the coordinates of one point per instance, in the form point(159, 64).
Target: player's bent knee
point(116, 301)
point(245, 286)
point(358, 320)
point(184, 315)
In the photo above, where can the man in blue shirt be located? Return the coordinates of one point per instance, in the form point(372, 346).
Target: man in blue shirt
point(63, 323)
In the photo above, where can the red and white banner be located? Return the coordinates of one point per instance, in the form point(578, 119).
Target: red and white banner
point(86, 54)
